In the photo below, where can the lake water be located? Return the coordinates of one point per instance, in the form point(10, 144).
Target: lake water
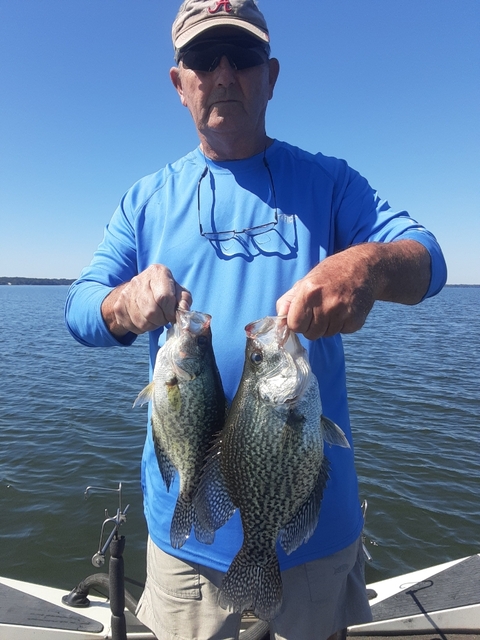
point(66, 421)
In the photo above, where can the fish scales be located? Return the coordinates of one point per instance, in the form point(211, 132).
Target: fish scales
point(269, 463)
point(188, 409)
point(287, 446)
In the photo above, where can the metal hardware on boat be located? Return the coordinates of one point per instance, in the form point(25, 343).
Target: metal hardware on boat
point(366, 553)
point(116, 576)
point(98, 559)
point(368, 556)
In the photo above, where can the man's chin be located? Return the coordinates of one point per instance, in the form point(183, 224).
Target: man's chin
point(223, 119)
point(226, 108)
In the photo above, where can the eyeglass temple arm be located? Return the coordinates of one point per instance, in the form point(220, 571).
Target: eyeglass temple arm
point(204, 173)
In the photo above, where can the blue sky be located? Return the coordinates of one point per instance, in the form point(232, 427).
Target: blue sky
point(86, 108)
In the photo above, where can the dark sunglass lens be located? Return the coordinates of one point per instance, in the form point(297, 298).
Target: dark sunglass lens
point(246, 58)
point(208, 59)
point(197, 60)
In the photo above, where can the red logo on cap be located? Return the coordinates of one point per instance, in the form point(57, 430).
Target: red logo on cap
point(221, 3)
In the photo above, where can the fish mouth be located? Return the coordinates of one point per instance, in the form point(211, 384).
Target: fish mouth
point(269, 329)
point(287, 381)
point(194, 321)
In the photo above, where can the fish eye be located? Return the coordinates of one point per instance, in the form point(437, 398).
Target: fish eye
point(256, 357)
point(202, 341)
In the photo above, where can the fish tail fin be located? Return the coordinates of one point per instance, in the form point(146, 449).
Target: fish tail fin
point(252, 585)
point(184, 517)
point(182, 521)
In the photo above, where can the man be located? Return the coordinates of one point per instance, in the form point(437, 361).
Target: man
point(249, 226)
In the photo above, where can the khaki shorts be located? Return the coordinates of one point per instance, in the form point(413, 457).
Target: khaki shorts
point(319, 598)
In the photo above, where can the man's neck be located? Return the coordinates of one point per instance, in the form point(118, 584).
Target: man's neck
point(221, 148)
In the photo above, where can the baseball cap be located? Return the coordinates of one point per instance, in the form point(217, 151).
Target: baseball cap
point(197, 16)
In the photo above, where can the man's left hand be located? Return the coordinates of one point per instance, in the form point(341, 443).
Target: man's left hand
point(337, 295)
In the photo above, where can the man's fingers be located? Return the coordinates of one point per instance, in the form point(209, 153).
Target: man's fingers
point(167, 295)
point(149, 300)
point(184, 298)
point(284, 303)
point(294, 306)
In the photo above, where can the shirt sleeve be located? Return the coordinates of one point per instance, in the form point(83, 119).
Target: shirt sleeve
point(362, 216)
point(114, 263)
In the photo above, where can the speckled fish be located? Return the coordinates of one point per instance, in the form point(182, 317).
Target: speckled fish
point(269, 463)
point(188, 409)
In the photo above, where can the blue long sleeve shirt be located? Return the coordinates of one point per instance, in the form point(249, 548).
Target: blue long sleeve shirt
point(313, 206)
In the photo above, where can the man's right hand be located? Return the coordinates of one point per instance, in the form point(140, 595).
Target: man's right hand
point(147, 302)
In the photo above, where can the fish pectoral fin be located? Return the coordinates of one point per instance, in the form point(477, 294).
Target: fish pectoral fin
point(332, 434)
point(145, 395)
point(304, 522)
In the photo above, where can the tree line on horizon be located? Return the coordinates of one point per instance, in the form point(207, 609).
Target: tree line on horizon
point(18, 280)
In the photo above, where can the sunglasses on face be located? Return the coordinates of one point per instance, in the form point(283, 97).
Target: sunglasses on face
point(208, 57)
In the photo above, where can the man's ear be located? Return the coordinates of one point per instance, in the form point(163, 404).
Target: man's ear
point(177, 83)
point(274, 70)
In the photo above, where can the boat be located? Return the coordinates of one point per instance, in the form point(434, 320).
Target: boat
point(35, 612)
point(31, 611)
point(443, 599)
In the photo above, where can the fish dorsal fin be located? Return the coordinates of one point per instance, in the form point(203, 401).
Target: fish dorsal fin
point(145, 395)
point(332, 434)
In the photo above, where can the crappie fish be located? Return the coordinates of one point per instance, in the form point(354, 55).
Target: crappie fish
point(269, 463)
point(188, 409)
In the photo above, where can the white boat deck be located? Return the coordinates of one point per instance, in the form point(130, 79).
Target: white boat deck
point(441, 601)
point(425, 636)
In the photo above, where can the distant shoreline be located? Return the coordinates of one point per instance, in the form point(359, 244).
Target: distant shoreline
point(39, 281)
point(68, 281)
point(472, 286)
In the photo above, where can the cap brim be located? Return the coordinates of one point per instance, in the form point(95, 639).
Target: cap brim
point(188, 35)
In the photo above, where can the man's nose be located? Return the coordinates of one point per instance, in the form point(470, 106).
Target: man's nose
point(225, 73)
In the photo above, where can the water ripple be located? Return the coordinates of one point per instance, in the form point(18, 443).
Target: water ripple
point(66, 421)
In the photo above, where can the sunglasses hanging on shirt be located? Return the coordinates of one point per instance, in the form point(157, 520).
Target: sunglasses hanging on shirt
point(248, 231)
